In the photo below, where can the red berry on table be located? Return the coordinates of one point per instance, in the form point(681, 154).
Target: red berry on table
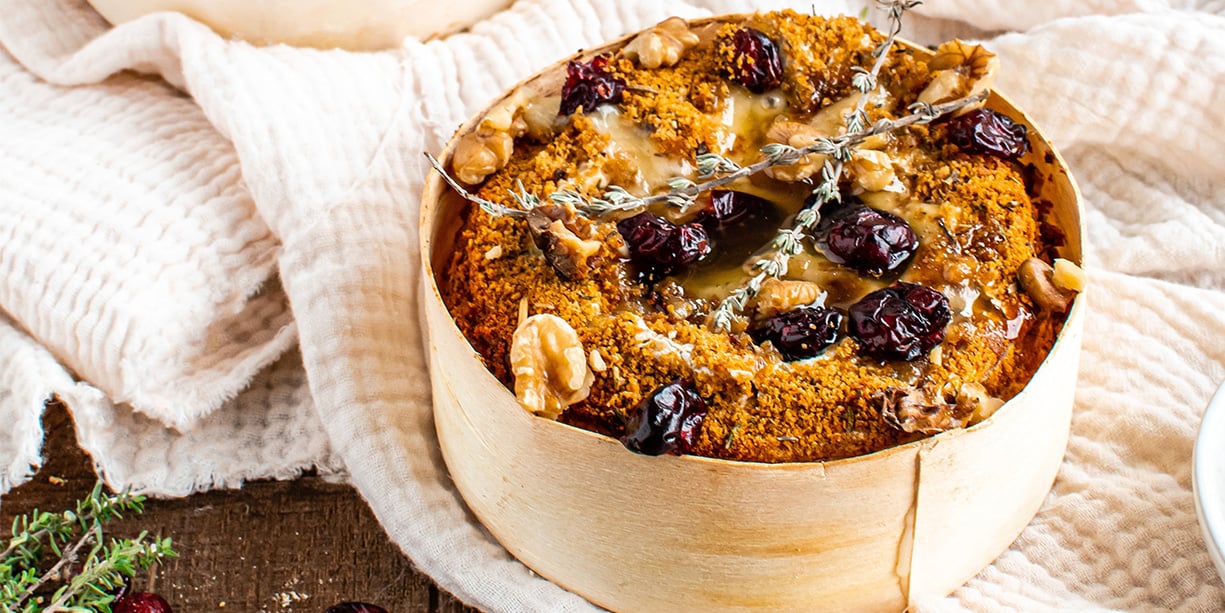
point(355, 607)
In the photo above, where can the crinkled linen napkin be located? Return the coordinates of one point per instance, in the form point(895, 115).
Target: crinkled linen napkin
point(176, 210)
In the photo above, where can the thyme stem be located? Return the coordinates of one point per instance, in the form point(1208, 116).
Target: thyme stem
point(70, 556)
point(490, 207)
point(718, 171)
point(787, 244)
point(98, 506)
point(781, 156)
point(68, 535)
point(839, 150)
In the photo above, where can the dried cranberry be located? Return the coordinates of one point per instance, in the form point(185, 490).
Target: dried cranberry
point(667, 421)
point(728, 207)
point(589, 85)
point(756, 63)
point(661, 247)
point(870, 241)
point(141, 602)
point(355, 607)
point(988, 132)
point(800, 333)
point(900, 322)
point(832, 211)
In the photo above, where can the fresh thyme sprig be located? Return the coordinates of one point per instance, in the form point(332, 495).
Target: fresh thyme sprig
point(717, 171)
point(497, 210)
point(724, 171)
point(838, 152)
point(29, 531)
point(67, 535)
point(865, 80)
point(786, 245)
point(106, 569)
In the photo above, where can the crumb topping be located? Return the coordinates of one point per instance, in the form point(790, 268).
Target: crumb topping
point(972, 215)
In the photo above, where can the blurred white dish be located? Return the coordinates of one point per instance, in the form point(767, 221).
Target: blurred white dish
point(1208, 478)
point(357, 25)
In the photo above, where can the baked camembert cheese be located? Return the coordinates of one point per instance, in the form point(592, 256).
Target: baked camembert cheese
point(749, 241)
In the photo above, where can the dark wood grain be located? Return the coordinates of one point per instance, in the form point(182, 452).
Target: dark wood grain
point(300, 545)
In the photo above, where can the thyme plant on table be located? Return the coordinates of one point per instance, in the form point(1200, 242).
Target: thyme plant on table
point(63, 561)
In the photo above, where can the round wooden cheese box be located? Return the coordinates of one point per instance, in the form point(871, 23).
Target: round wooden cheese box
point(637, 533)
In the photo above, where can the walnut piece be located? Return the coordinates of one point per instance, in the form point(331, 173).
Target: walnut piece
point(1037, 279)
point(798, 135)
point(541, 117)
point(975, 397)
point(663, 44)
point(506, 117)
point(871, 170)
point(487, 150)
point(960, 70)
point(549, 364)
point(553, 228)
point(920, 410)
point(1068, 275)
point(477, 156)
point(778, 296)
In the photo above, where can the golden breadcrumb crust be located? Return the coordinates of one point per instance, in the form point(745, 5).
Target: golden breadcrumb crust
point(760, 407)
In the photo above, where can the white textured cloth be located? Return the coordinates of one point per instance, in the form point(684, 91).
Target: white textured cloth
point(146, 236)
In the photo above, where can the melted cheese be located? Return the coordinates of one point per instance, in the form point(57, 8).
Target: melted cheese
point(654, 169)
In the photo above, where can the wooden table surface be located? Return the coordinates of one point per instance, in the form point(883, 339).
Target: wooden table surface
point(271, 546)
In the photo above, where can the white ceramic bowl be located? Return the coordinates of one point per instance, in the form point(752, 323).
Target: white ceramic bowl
point(356, 25)
point(1208, 478)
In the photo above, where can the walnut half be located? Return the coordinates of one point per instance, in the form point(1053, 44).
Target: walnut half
point(930, 411)
point(549, 364)
point(959, 70)
point(778, 296)
point(871, 171)
point(552, 228)
point(662, 45)
point(1037, 278)
point(921, 410)
point(487, 149)
point(798, 135)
